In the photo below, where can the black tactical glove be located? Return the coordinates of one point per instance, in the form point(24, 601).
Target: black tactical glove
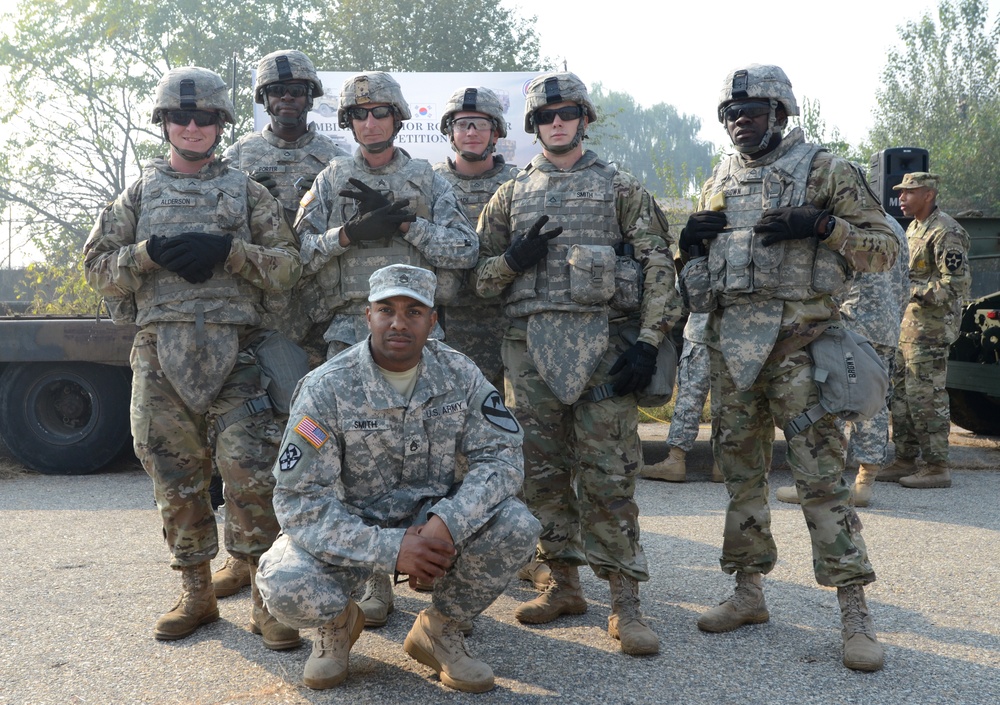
point(192, 255)
point(791, 223)
point(637, 366)
point(267, 181)
point(154, 248)
point(701, 226)
point(528, 250)
point(380, 223)
point(368, 198)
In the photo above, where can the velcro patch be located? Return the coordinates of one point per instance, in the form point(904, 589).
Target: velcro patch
point(445, 409)
point(289, 457)
point(954, 260)
point(307, 198)
point(312, 432)
point(499, 415)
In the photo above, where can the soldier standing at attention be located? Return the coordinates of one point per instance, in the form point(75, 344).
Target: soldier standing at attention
point(195, 250)
point(576, 353)
point(399, 456)
point(939, 282)
point(784, 222)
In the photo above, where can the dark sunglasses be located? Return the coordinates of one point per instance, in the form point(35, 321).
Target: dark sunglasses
point(379, 112)
point(276, 90)
point(547, 117)
point(202, 118)
point(735, 111)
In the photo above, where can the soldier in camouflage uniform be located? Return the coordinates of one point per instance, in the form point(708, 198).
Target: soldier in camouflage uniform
point(369, 480)
point(939, 282)
point(364, 212)
point(190, 253)
point(873, 307)
point(784, 223)
point(580, 346)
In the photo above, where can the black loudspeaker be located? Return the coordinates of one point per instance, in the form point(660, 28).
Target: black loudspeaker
point(886, 169)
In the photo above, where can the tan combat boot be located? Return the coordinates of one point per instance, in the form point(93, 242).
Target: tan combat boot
point(900, 467)
point(196, 605)
point(562, 596)
point(327, 664)
point(787, 494)
point(536, 572)
point(625, 622)
point(864, 484)
point(377, 602)
point(746, 606)
point(862, 651)
point(436, 641)
point(673, 468)
point(231, 577)
point(928, 477)
point(717, 475)
point(277, 636)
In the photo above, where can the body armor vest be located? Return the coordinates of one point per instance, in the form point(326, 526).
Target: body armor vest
point(741, 268)
point(286, 162)
point(174, 203)
point(575, 274)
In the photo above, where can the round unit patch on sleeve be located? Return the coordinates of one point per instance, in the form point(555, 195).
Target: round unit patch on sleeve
point(954, 260)
point(499, 415)
point(289, 457)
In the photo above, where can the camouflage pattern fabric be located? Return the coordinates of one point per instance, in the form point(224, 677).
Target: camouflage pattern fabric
point(921, 414)
point(693, 383)
point(869, 439)
point(359, 463)
point(581, 462)
point(743, 431)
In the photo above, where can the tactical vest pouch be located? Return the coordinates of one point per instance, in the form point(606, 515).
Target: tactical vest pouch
point(121, 309)
point(694, 283)
point(628, 281)
point(282, 364)
point(449, 283)
point(852, 380)
point(591, 273)
point(829, 273)
point(729, 260)
point(767, 265)
point(230, 213)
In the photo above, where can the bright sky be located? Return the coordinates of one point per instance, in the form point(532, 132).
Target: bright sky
point(680, 52)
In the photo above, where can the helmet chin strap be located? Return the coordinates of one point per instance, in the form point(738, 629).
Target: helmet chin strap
point(379, 147)
point(772, 131)
point(292, 122)
point(474, 156)
point(187, 154)
point(577, 139)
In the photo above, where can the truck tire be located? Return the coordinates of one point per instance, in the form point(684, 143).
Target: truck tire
point(65, 418)
point(975, 411)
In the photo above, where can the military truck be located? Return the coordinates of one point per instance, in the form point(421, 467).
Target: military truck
point(64, 390)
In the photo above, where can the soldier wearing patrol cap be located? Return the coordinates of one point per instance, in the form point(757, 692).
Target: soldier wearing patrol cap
point(193, 253)
point(581, 347)
point(399, 456)
point(784, 223)
point(939, 282)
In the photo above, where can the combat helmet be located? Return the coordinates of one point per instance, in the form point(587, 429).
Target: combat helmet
point(474, 100)
point(286, 65)
point(372, 87)
point(760, 82)
point(192, 88)
point(556, 88)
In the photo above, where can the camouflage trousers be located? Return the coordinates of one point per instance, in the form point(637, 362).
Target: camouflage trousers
point(173, 444)
point(477, 329)
point(693, 382)
point(580, 465)
point(743, 431)
point(921, 415)
point(869, 439)
point(303, 591)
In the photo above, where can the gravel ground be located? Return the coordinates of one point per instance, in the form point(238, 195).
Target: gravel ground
point(84, 577)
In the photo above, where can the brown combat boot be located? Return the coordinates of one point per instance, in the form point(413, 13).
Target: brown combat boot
point(900, 467)
point(327, 664)
point(787, 494)
point(746, 606)
point(864, 484)
point(862, 651)
point(673, 468)
point(717, 475)
point(277, 636)
point(562, 596)
point(626, 622)
point(196, 605)
point(436, 640)
point(377, 602)
point(930, 476)
point(535, 571)
point(231, 577)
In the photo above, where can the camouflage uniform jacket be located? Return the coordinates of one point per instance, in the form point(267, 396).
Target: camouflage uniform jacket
point(939, 279)
point(861, 235)
point(359, 464)
point(640, 222)
point(116, 262)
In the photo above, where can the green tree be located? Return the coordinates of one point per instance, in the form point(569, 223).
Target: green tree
point(940, 92)
point(814, 126)
point(658, 145)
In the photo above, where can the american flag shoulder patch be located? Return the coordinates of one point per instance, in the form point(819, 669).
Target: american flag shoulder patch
point(312, 432)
